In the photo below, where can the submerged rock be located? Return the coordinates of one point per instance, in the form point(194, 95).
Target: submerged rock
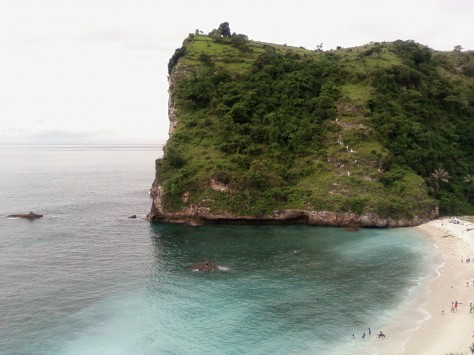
point(133, 216)
point(204, 266)
point(30, 215)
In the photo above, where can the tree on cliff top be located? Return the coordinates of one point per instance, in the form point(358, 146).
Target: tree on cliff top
point(222, 31)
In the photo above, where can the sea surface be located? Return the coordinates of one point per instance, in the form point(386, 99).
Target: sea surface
point(86, 279)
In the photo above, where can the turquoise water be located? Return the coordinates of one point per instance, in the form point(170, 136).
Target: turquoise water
point(85, 279)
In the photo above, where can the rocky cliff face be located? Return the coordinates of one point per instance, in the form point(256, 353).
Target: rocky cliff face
point(196, 215)
point(171, 104)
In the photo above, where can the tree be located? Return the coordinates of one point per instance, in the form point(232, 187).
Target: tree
point(224, 29)
point(178, 53)
point(469, 180)
point(239, 39)
point(438, 176)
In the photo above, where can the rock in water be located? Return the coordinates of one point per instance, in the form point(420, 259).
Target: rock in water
point(30, 215)
point(205, 266)
point(352, 228)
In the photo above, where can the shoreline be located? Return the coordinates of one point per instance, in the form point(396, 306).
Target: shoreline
point(443, 332)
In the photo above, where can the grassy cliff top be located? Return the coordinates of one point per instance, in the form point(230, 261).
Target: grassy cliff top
point(385, 128)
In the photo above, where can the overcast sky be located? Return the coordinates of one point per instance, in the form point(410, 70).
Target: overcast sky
point(95, 71)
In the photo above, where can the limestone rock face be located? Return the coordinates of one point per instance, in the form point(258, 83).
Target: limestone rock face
point(196, 215)
point(156, 212)
point(171, 107)
point(178, 71)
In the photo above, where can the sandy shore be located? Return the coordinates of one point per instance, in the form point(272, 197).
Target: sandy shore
point(449, 332)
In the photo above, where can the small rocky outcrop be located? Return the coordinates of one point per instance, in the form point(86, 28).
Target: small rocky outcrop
point(133, 216)
point(30, 215)
point(204, 266)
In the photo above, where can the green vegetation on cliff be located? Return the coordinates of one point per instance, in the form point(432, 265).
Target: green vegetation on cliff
point(385, 128)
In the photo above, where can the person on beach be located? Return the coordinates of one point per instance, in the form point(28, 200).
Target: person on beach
point(381, 335)
point(456, 306)
point(370, 331)
point(363, 335)
point(353, 337)
point(442, 311)
point(452, 307)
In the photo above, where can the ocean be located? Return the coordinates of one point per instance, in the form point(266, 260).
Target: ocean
point(86, 279)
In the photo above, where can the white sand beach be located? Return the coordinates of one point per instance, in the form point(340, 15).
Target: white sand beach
point(448, 332)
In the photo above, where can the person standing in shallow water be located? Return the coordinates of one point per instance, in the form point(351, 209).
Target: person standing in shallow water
point(363, 335)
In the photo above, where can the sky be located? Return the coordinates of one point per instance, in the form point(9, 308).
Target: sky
point(95, 71)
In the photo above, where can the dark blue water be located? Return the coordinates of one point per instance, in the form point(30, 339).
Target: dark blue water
point(85, 279)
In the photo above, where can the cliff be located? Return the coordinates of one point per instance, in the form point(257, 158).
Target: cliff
point(375, 136)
